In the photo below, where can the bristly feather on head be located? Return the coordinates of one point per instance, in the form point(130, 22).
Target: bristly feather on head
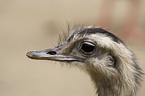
point(81, 31)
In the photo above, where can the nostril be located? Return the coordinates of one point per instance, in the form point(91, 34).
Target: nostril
point(51, 52)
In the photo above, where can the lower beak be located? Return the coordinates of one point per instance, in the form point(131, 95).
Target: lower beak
point(48, 54)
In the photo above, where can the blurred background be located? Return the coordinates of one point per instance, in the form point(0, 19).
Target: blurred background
point(36, 24)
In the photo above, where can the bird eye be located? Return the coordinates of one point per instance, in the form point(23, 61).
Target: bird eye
point(87, 48)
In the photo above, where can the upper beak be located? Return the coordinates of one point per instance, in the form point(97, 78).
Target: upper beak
point(51, 54)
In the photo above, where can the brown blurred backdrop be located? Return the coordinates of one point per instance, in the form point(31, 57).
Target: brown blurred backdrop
point(35, 24)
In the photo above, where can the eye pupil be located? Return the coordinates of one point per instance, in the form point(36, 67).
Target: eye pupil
point(87, 48)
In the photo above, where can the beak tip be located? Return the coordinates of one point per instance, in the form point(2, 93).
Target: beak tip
point(29, 54)
point(34, 54)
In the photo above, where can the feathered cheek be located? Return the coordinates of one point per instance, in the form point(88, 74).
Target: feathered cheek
point(105, 64)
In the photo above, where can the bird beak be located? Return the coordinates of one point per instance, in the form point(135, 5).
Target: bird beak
point(52, 54)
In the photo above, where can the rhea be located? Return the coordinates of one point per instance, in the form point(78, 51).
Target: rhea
point(109, 62)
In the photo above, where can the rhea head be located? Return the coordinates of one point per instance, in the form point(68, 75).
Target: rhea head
point(110, 64)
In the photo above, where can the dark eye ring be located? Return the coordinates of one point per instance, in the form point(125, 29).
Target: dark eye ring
point(87, 48)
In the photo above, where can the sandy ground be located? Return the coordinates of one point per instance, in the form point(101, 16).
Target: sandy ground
point(34, 25)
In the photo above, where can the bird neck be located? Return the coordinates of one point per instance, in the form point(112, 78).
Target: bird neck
point(105, 88)
point(110, 87)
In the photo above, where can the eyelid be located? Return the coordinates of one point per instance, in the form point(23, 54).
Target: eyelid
point(89, 43)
